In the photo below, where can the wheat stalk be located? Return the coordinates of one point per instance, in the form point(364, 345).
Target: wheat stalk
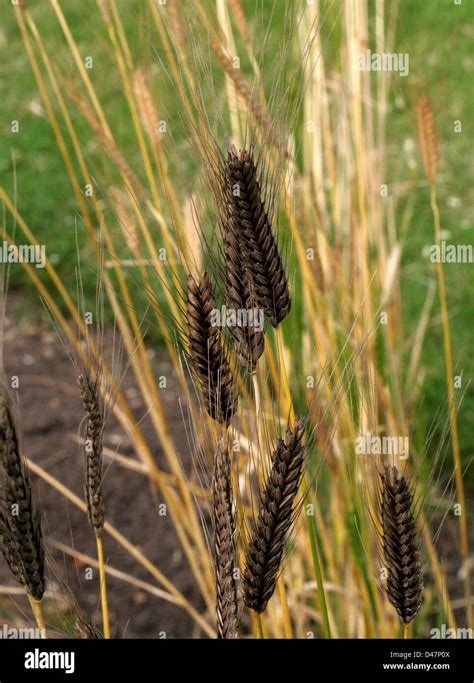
point(429, 146)
point(267, 543)
point(89, 389)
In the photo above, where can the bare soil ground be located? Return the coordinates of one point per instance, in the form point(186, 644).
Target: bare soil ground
point(50, 414)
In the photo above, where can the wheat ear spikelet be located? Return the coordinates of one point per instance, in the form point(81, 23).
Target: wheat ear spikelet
point(248, 217)
point(89, 391)
point(240, 20)
point(20, 528)
point(224, 546)
point(249, 342)
point(208, 358)
point(428, 137)
point(400, 542)
point(176, 23)
point(9, 547)
point(105, 11)
point(148, 113)
point(268, 540)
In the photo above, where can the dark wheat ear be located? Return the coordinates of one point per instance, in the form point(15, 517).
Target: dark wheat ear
point(247, 217)
point(224, 546)
point(90, 395)
point(267, 543)
point(249, 342)
point(10, 548)
point(20, 528)
point(208, 358)
point(400, 545)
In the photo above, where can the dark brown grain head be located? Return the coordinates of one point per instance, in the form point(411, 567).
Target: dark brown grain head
point(247, 216)
point(208, 358)
point(10, 548)
point(224, 546)
point(90, 394)
point(267, 543)
point(249, 341)
point(20, 528)
point(400, 545)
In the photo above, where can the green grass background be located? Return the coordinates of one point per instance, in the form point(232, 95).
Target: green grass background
point(437, 35)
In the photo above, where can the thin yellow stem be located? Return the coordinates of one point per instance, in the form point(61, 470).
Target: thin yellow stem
point(452, 406)
point(406, 634)
point(259, 462)
point(103, 588)
point(257, 626)
point(38, 615)
point(257, 399)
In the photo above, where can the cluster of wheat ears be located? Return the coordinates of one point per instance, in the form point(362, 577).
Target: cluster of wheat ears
point(310, 540)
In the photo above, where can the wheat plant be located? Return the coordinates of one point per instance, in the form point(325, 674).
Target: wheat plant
point(247, 172)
